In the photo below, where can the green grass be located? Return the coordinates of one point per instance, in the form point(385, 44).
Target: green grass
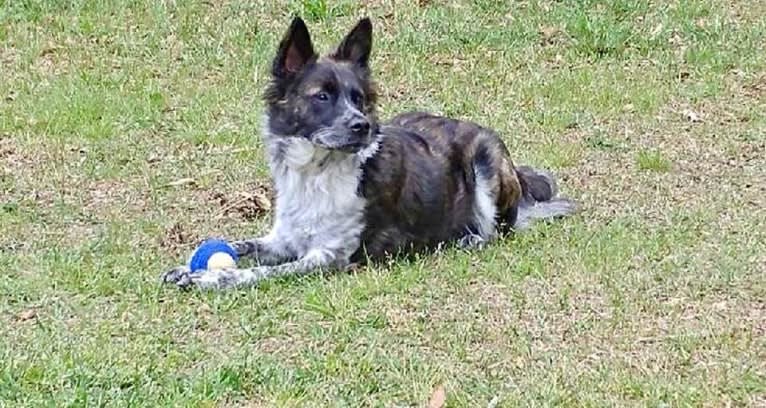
point(652, 160)
point(651, 296)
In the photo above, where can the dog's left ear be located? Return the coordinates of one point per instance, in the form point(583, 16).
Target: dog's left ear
point(357, 45)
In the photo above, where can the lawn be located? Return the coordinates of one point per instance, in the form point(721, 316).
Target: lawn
point(130, 130)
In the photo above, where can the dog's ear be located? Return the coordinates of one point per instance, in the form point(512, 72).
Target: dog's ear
point(295, 50)
point(357, 45)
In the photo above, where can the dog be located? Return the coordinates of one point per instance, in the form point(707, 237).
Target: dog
point(350, 188)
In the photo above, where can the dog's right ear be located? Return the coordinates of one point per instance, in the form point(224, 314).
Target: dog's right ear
point(295, 50)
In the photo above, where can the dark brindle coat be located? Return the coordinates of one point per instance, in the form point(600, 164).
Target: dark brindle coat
point(349, 188)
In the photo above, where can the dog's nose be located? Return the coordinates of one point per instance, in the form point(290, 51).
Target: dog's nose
point(360, 126)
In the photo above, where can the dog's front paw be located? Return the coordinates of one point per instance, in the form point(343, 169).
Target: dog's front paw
point(471, 241)
point(245, 248)
point(183, 278)
point(179, 276)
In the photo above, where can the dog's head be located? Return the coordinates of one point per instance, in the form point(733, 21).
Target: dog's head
point(328, 100)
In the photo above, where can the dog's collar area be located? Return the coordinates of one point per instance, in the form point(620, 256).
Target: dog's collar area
point(299, 153)
point(372, 149)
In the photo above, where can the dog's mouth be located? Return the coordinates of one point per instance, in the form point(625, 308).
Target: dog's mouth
point(352, 147)
point(339, 141)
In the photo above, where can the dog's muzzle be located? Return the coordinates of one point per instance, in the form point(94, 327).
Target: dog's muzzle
point(346, 140)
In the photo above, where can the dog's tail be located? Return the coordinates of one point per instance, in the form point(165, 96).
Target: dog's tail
point(540, 200)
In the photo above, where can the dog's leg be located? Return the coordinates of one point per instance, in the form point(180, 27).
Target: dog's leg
point(314, 261)
point(266, 250)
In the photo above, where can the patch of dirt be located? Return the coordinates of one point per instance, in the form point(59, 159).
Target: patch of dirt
point(756, 88)
point(457, 63)
point(13, 158)
point(402, 315)
point(559, 311)
point(744, 12)
point(50, 61)
point(108, 194)
point(176, 237)
point(244, 404)
point(81, 232)
point(9, 56)
point(7, 148)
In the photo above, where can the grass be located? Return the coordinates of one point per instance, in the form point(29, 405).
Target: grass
point(652, 160)
point(652, 296)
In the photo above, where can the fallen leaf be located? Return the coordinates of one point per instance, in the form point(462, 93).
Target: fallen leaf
point(675, 39)
point(352, 268)
point(249, 204)
point(28, 314)
point(153, 158)
point(692, 116)
point(49, 49)
point(548, 34)
point(262, 199)
point(182, 182)
point(438, 397)
point(204, 308)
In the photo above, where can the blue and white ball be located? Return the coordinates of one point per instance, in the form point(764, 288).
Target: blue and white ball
point(213, 254)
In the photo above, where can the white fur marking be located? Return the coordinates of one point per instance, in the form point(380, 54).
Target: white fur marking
point(318, 207)
point(370, 151)
point(484, 208)
point(352, 108)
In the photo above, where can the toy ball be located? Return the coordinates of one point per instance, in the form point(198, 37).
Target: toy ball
point(213, 254)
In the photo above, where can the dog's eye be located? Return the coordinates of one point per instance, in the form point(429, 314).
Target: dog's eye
point(322, 96)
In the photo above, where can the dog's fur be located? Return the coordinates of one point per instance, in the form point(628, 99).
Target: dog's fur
point(349, 189)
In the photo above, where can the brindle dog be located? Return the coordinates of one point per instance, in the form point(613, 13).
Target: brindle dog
point(349, 188)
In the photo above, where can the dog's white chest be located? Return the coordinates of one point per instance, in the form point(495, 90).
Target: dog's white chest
point(317, 199)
